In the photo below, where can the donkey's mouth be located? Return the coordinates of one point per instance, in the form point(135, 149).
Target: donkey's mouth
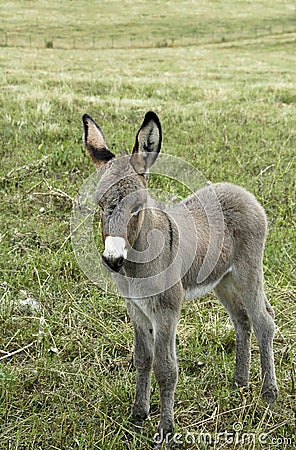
point(113, 264)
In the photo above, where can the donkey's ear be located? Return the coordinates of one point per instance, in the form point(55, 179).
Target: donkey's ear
point(95, 142)
point(148, 143)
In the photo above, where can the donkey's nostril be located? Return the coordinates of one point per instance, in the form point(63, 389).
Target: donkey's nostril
point(113, 264)
point(120, 261)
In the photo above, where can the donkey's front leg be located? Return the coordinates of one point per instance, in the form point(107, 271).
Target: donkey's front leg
point(143, 360)
point(166, 372)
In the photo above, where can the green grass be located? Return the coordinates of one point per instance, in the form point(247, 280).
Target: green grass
point(102, 24)
point(228, 108)
point(131, 24)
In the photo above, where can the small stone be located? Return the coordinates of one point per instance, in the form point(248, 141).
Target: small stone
point(53, 350)
point(30, 304)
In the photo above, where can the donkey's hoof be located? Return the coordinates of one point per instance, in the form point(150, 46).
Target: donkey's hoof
point(270, 394)
point(163, 439)
point(137, 420)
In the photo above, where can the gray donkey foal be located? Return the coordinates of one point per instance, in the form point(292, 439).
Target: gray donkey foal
point(160, 255)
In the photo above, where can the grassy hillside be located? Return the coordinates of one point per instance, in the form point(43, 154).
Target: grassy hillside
point(125, 23)
point(221, 76)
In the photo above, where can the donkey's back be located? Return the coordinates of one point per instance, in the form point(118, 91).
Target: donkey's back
point(241, 211)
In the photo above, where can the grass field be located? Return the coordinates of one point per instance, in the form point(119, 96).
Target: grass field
point(227, 104)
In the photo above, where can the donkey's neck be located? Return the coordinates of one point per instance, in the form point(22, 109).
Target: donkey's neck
point(156, 233)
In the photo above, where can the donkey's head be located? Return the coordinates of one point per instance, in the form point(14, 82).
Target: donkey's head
point(122, 189)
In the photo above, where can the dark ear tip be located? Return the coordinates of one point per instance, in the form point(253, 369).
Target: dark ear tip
point(85, 118)
point(151, 115)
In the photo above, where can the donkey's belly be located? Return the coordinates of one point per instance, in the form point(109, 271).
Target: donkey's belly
point(192, 292)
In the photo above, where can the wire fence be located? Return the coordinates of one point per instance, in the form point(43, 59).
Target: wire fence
point(86, 42)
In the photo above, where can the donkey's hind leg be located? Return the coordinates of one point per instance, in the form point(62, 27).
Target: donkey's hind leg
point(229, 298)
point(262, 317)
point(247, 304)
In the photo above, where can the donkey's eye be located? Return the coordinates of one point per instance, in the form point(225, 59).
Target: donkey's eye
point(136, 209)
